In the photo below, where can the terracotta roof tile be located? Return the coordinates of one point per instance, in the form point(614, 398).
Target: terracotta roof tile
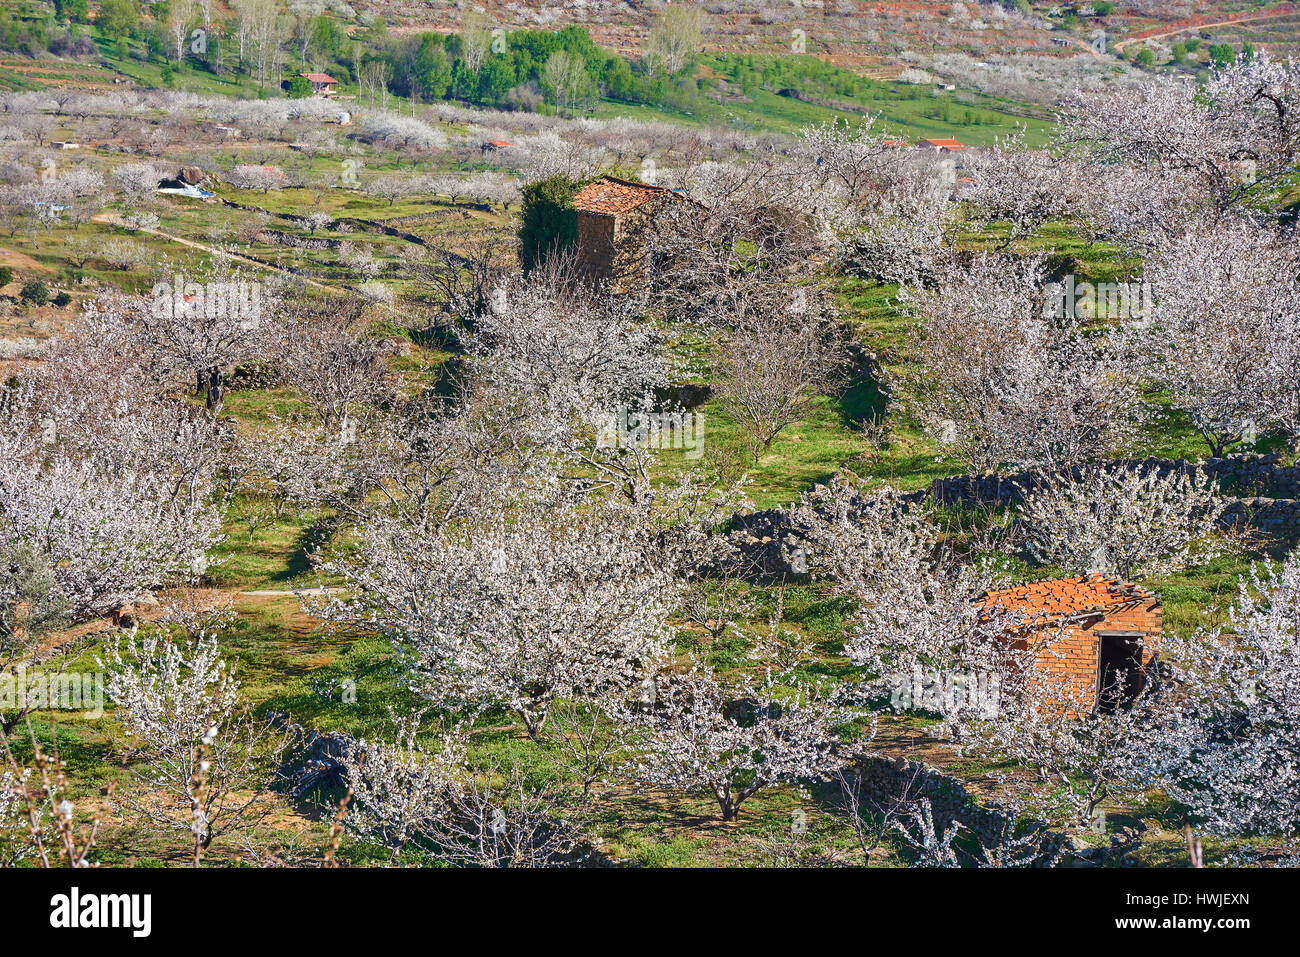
point(1068, 596)
point(610, 196)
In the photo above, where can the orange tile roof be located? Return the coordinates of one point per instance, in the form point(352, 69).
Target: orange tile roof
point(1064, 597)
point(946, 144)
point(610, 196)
point(319, 77)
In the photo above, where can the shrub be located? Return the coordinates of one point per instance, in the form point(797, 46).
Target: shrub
point(35, 292)
point(549, 220)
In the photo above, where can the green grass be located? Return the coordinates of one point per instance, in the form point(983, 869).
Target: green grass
point(272, 557)
point(909, 113)
point(786, 101)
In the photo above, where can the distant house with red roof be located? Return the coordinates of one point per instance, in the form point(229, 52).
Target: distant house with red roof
point(1104, 634)
point(322, 84)
point(941, 146)
point(612, 216)
point(491, 146)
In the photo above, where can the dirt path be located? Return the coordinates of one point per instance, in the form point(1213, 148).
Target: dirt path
point(289, 593)
point(113, 219)
point(1226, 21)
point(17, 260)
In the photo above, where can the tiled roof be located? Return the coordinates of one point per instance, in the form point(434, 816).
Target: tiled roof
point(1067, 596)
point(950, 144)
point(610, 196)
point(319, 77)
point(499, 144)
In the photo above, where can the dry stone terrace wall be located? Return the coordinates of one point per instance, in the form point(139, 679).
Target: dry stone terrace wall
point(1279, 518)
point(773, 547)
point(885, 782)
point(1250, 475)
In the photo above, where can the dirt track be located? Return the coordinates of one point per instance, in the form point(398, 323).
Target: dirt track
point(1226, 21)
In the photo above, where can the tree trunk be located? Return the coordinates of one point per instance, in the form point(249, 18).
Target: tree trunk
point(727, 802)
point(1216, 446)
point(535, 721)
point(216, 391)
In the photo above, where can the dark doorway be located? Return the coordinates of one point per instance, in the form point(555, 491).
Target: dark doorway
point(1119, 669)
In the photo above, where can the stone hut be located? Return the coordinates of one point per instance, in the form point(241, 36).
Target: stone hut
point(612, 215)
point(1109, 634)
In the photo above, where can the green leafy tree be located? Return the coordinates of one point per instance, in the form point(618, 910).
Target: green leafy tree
point(328, 37)
point(618, 79)
point(464, 81)
point(118, 18)
point(35, 292)
point(1222, 55)
point(432, 67)
point(30, 606)
point(549, 221)
point(495, 78)
point(77, 11)
point(299, 87)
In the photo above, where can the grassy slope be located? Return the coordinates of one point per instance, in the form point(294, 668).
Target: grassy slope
point(913, 112)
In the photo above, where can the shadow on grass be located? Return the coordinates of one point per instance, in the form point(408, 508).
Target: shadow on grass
point(862, 397)
point(315, 536)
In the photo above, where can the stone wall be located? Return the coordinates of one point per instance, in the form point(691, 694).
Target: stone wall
point(1278, 518)
point(770, 546)
point(773, 546)
point(887, 782)
point(1249, 475)
point(595, 245)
